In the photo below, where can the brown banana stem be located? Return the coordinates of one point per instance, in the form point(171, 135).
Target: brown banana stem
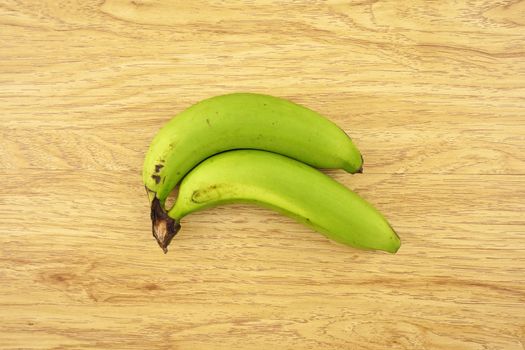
point(163, 227)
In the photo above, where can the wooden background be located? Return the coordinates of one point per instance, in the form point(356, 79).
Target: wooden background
point(433, 93)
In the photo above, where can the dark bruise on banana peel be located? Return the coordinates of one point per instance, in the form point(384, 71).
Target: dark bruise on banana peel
point(163, 227)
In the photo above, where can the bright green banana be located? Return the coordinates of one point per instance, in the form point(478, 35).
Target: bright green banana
point(283, 184)
point(249, 121)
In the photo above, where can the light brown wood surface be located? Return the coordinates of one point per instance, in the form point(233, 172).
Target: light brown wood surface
point(432, 92)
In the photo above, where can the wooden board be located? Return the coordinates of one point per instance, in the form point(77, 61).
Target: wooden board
point(433, 93)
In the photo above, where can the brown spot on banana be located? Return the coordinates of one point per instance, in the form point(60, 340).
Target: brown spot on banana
point(156, 178)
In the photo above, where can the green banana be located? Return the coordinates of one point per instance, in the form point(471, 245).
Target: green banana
point(283, 184)
point(249, 121)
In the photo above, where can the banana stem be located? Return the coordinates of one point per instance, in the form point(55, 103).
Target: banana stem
point(163, 227)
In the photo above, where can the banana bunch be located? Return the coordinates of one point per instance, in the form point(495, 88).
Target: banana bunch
point(260, 149)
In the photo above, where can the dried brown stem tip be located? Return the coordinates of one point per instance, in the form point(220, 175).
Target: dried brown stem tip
point(163, 227)
point(360, 170)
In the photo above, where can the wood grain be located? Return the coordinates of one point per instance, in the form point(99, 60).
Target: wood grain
point(433, 93)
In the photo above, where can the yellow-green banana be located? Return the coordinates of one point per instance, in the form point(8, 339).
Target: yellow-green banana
point(243, 121)
point(283, 184)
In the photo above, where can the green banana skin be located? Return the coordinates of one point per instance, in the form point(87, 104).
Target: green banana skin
point(286, 186)
point(243, 121)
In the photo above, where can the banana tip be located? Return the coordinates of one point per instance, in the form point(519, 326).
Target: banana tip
point(394, 249)
point(163, 227)
point(360, 170)
point(397, 241)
